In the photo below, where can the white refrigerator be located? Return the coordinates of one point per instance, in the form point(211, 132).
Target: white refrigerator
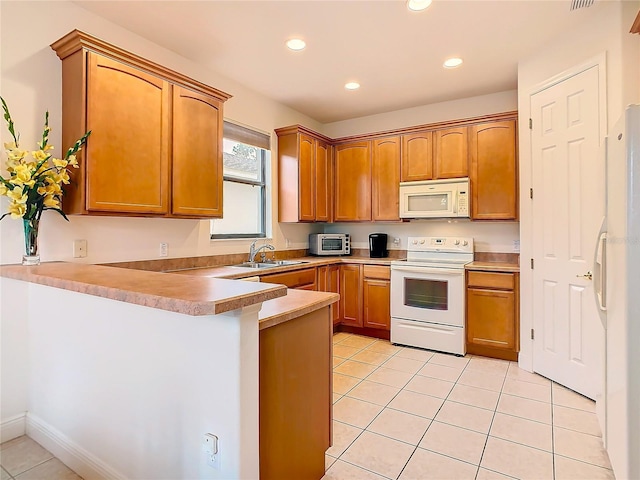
point(617, 288)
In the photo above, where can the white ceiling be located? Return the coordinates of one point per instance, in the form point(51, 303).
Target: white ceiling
point(396, 55)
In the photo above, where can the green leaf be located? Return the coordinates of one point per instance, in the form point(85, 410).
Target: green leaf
point(7, 117)
point(57, 210)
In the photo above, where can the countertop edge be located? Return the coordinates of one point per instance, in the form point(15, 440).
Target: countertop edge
point(170, 301)
point(493, 267)
point(291, 308)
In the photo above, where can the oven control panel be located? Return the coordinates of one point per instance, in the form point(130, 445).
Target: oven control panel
point(441, 244)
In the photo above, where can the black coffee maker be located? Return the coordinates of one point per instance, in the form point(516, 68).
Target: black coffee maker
point(378, 245)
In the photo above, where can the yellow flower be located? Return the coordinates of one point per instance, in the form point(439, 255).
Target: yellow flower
point(17, 210)
point(3, 189)
point(51, 201)
point(15, 154)
point(62, 177)
point(73, 161)
point(17, 195)
point(10, 145)
point(60, 163)
point(39, 155)
point(22, 175)
point(51, 188)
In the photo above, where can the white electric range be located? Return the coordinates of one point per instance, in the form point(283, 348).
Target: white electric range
point(428, 294)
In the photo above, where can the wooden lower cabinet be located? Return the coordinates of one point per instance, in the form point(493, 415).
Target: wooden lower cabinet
point(377, 297)
point(492, 314)
point(329, 281)
point(295, 397)
point(351, 295)
point(304, 279)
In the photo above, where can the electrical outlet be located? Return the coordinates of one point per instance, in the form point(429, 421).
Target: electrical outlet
point(164, 249)
point(211, 449)
point(516, 246)
point(396, 241)
point(79, 248)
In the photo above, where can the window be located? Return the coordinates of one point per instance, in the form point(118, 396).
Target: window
point(245, 157)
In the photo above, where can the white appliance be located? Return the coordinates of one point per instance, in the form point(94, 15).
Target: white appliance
point(435, 198)
point(617, 287)
point(428, 294)
point(329, 244)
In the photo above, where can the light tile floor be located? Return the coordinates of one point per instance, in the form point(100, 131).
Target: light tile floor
point(405, 413)
point(24, 459)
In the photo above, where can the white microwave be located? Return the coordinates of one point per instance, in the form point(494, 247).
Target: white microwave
point(447, 198)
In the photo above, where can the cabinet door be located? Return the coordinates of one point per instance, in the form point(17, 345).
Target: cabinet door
point(451, 153)
point(494, 175)
point(385, 179)
point(377, 313)
point(353, 182)
point(417, 157)
point(197, 171)
point(127, 155)
point(324, 182)
point(350, 295)
point(306, 178)
point(491, 318)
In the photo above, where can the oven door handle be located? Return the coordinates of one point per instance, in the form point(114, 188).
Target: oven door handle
point(429, 270)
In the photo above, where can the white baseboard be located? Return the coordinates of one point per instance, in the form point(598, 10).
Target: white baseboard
point(13, 427)
point(85, 464)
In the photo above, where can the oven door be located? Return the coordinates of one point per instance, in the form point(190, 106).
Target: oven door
point(428, 294)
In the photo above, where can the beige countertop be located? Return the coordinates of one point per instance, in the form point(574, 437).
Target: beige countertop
point(493, 267)
point(165, 291)
point(295, 304)
point(241, 272)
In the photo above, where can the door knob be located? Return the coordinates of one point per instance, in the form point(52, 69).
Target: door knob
point(588, 276)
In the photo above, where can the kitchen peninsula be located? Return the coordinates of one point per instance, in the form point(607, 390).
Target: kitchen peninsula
point(130, 369)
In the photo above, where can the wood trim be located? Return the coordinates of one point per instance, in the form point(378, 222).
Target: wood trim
point(635, 28)
point(429, 126)
point(366, 331)
point(77, 40)
point(302, 129)
point(492, 352)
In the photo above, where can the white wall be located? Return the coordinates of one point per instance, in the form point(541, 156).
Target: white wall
point(606, 33)
point(128, 391)
point(488, 237)
point(435, 112)
point(31, 84)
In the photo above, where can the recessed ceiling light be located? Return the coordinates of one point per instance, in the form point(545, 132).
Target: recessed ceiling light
point(296, 44)
point(452, 62)
point(352, 86)
point(417, 5)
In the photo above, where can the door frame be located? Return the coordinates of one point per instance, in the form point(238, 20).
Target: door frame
point(525, 357)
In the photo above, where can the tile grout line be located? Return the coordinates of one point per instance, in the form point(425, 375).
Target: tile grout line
point(486, 440)
point(553, 437)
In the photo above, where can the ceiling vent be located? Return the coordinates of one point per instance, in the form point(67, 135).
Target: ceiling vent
point(576, 4)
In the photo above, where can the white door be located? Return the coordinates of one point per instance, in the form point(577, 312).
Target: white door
point(567, 210)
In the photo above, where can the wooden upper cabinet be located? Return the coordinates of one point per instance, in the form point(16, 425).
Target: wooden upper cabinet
point(306, 179)
point(305, 176)
point(451, 153)
point(156, 135)
point(385, 179)
point(197, 157)
point(323, 182)
point(128, 150)
point(417, 157)
point(353, 182)
point(494, 172)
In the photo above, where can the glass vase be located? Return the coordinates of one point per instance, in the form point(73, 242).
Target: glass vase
point(31, 256)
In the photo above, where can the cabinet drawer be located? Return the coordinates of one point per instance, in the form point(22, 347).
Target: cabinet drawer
point(294, 279)
point(377, 271)
point(505, 281)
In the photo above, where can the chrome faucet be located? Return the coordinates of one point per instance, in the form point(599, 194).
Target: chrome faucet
point(253, 251)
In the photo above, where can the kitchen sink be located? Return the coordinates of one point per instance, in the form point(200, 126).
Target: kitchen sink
point(269, 264)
